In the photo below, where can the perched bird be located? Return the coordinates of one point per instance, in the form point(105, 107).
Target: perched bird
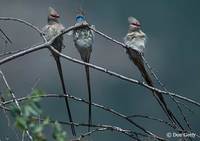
point(7, 38)
point(52, 29)
point(135, 40)
point(83, 39)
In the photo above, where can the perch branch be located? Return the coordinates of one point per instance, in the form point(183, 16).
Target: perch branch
point(125, 78)
point(26, 23)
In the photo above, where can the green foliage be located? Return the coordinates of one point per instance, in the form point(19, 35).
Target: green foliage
point(58, 134)
point(27, 119)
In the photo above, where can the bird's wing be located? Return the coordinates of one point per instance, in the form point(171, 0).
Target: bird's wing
point(93, 27)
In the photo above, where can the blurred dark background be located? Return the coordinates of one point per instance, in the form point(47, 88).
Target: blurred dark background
point(172, 50)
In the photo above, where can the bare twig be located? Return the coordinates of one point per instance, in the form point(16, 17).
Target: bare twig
point(22, 53)
point(126, 78)
point(124, 46)
point(165, 89)
point(14, 99)
point(38, 47)
point(3, 107)
point(94, 104)
point(12, 52)
point(7, 38)
point(102, 127)
point(5, 112)
point(26, 23)
point(110, 128)
point(47, 44)
point(35, 83)
point(152, 118)
point(108, 37)
point(10, 91)
point(80, 62)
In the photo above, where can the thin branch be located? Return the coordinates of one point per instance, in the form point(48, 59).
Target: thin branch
point(80, 62)
point(125, 78)
point(14, 99)
point(105, 129)
point(100, 127)
point(3, 107)
point(47, 44)
point(12, 52)
point(108, 37)
point(10, 91)
point(35, 83)
point(26, 23)
point(165, 89)
point(131, 134)
point(187, 107)
point(124, 46)
point(152, 118)
point(84, 101)
point(94, 104)
point(7, 38)
point(22, 53)
point(38, 47)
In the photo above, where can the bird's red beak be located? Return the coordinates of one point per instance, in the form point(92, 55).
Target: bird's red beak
point(136, 24)
point(55, 15)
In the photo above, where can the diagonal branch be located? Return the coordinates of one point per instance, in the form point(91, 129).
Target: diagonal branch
point(165, 89)
point(7, 38)
point(152, 118)
point(24, 52)
point(12, 52)
point(86, 102)
point(47, 44)
point(26, 23)
point(38, 47)
point(14, 99)
point(100, 127)
point(125, 78)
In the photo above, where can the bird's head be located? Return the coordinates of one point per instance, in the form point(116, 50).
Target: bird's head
point(134, 24)
point(53, 14)
point(80, 16)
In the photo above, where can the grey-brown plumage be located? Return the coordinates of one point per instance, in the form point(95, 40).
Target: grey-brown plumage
point(52, 29)
point(83, 40)
point(135, 40)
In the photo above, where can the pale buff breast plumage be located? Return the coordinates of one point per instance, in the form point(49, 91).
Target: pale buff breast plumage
point(136, 41)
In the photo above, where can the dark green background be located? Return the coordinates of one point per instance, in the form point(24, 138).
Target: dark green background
point(172, 27)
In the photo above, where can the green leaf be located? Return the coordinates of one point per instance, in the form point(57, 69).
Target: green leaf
point(15, 111)
point(58, 134)
point(36, 94)
point(37, 129)
point(29, 111)
point(46, 121)
point(21, 123)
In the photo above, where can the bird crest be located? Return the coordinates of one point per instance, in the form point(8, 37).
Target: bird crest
point(134, 22)
point(53, 14)
point(80, 16)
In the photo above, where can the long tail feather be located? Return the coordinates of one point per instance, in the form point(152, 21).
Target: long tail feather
point(163, 86)
point(89, 96)
point(6, 36)
point(137, 60)
point(65, 92)
point(160, 99)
